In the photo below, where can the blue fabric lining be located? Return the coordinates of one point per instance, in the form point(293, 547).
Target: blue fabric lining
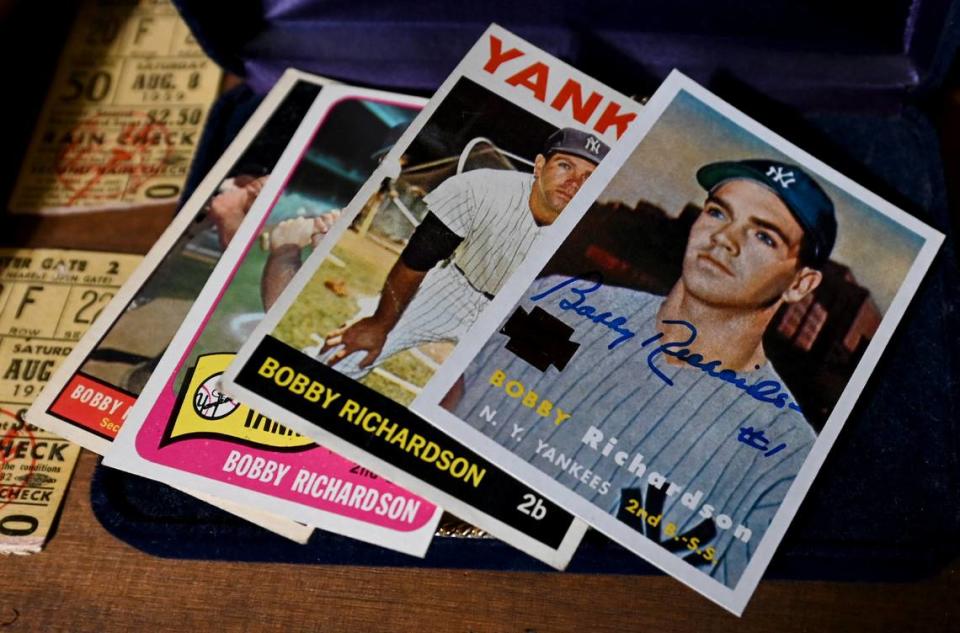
point(783, 47)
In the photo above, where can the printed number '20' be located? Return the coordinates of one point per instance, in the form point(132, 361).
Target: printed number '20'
point(532, 506)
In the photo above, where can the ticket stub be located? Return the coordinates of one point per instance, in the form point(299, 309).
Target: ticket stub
point(48, 298)
point(470, 189)
point(676, 363)
point(35, 470)
point(186, 432)
point(123, 116)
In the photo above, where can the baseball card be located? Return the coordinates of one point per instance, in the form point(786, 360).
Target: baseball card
point(467, 192)
point(675, 367)
point(120, 350)
point(186, 432)
point(93, 389)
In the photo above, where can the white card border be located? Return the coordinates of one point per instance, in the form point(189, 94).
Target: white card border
point(735, 599)
point(293, 530)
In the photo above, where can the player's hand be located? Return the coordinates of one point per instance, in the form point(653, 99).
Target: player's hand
point(227, 209)
point(323, 224)
point(296, 232)
point(299, 232)
point(364, 335)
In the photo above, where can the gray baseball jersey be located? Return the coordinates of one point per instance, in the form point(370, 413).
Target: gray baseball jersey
point(677, 428)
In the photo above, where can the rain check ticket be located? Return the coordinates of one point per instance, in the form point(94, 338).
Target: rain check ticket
point(48, 298)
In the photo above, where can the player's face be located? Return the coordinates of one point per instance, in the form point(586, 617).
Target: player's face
point(743, 248)
point(558, 179)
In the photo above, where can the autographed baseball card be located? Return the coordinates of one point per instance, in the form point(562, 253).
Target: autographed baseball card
point(675, 371)
point(467, 192)
point(186, 432)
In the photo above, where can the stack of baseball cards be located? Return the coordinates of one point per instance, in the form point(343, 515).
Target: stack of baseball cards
point(527, 301)
point(122, 351)
point(416, 157)
point(256, 458)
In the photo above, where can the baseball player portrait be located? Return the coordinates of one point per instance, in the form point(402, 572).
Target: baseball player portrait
point(479, 226)
point(669, 413)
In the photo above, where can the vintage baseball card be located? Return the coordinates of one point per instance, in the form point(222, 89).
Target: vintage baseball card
point(48, 298)
point(675, 370)
point(93, 390)
point(471, 187)
point(185, 431)
point(123, 115)
point(122, 348)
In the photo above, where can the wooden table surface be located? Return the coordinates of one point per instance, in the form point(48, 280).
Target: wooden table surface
point(86, 580)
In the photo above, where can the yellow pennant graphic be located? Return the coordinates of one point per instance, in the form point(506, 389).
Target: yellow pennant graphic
point(204, 411)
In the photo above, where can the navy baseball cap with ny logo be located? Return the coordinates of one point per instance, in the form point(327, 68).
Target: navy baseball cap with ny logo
point(805, 199)
point(572, 141)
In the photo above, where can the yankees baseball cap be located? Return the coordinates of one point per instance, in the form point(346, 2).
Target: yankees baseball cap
point(805, 199)
point(572, 141)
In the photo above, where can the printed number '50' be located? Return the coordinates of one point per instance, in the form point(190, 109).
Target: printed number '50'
point(532, 506)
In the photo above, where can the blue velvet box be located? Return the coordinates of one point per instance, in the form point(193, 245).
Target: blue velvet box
point(849, 82)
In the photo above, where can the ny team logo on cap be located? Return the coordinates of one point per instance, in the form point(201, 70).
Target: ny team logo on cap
point(593, 145)
point(781, 176)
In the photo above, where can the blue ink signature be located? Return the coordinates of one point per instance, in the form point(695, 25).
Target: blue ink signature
point(755, 438)
point(616, 324)
point(769, 391)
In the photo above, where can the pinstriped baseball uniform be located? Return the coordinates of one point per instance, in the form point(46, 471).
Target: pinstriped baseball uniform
point(687, 432)
point(490, 210)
